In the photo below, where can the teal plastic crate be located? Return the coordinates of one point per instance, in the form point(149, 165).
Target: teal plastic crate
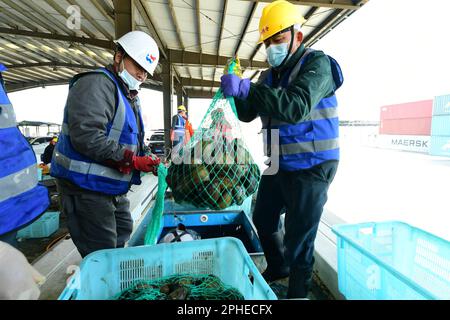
point(45, 226)
point(105, 273)
point(391, 261)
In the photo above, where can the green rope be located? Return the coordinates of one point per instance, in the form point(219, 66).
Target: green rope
point(154, 228)
point(181, 287)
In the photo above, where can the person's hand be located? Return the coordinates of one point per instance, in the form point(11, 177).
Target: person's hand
point(18, 279)
point(233, 86)
point(146, 163)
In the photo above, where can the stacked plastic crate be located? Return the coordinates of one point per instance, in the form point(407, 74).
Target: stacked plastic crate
point(440, 126)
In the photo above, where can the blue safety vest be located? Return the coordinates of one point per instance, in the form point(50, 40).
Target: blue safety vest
point(313, 140)
point(22, 199)
point(180, 127)
point(84, 172)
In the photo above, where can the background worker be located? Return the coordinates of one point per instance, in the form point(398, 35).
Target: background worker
point(99, 154)
point(296, 96)
point(189, 131)
point(178, 130)
point(22, 199)
point(46, 157)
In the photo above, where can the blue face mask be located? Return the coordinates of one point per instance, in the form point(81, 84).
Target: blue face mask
point(276, 53)
point(132, 82)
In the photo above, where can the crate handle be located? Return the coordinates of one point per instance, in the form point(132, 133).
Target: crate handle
point(70, 291)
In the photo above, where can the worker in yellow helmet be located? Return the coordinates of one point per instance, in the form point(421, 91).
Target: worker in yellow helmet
point(295, 99)
point(178, 131)
point(46, 157)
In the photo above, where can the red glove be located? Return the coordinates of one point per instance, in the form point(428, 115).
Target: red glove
point(146, 163)
point(124, 165)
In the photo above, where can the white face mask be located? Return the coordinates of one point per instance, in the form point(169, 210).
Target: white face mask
point(132, 82)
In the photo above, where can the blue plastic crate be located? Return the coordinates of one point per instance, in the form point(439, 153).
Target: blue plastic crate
point(391, 261)
point(105, 273)
point(46, 225)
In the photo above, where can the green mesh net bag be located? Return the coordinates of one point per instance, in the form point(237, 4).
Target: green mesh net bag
point(214, 169)
point(181, 287)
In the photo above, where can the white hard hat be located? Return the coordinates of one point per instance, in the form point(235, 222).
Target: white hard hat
point(142, 48)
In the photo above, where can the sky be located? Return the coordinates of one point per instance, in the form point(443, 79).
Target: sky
point(390, 51)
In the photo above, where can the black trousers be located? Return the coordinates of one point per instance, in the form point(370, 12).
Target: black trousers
point(97, 221)
point(302, 194)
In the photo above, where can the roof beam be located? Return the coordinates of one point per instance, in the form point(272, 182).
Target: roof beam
point(175, 23)
point(199, 94)
point(335, 4)
point(50, 64)
point(193, 58)
point(105, 44)
point(199, 33)
point(323, 26)
point(13, 87)
point(162, 48)
point(145, 15)
point(124, 20)
point(219, 43)
point(42, 16)
point(191, 82)
point(244, 31)
point(64, 13)
point(104, 9)
point(96, 25)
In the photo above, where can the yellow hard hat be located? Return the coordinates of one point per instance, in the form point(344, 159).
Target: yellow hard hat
point(55, 139)
point(276, 17)
point(181, 108)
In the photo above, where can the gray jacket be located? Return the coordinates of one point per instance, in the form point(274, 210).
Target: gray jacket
point(90, 107)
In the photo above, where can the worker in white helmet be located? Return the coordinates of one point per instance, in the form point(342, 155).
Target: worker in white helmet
point(99, 154)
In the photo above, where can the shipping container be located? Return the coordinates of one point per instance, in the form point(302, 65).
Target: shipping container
point(404, 143)
point(440, 146)
point(413, 126)
point(417, 109)
point(441, 105)
point(440, 125)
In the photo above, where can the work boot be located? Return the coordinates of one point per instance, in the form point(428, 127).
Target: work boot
point(274, 253)
point(300, 281)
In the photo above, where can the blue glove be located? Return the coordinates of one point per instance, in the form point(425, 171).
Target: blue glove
point(233, 86)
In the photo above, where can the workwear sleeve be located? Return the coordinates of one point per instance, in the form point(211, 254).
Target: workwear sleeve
point(294, 103)
point(90, 107)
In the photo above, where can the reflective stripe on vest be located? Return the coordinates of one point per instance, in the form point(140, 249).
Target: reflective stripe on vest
point(22, 200)
point(7, 116)
point(89, 168)
point(65, 131)
point(18, 182)
point(310, 141)
point(316, 114)
point(88, 174)
point(180, 126)
point(309, 146)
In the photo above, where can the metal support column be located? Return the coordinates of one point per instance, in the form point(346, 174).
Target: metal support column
point(167, 77)
point(186, 102)
point(179, 91)
point(124, 20)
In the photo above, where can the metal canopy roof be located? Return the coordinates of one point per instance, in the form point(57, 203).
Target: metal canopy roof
point(195, 37)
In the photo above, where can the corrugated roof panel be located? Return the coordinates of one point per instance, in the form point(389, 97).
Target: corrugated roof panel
point(160, 16)
point(195, 72)
point(11, 14)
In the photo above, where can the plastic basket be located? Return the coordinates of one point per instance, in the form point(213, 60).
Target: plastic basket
point(392, 261)
point(46, 225)
point(105, 273)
